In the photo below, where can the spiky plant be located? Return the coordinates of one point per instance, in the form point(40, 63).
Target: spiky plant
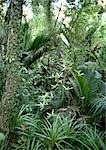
point(92, 139)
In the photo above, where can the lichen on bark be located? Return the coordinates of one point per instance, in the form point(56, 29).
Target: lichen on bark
point(12, 64)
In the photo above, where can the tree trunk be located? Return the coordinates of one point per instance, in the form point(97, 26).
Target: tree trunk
point(12, 63)
point(49, 16)
point(1, 24)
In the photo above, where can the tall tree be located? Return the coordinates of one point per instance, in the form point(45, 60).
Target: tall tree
point(1, 23)
point(48, 15)
point(12, 63)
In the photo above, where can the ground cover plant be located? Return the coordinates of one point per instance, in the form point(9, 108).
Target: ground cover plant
point(52, 75)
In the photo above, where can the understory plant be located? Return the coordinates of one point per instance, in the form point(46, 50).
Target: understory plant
point(60, 102)
point(56, 132)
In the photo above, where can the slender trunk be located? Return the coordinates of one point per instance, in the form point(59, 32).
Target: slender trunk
point(49, 16)
point(1, 11)
point(1, 46)
point(12, 63)
point(1, 24)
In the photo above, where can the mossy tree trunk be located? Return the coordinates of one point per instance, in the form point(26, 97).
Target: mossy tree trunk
point(1, 24)
point(49, 16)
point(12, 64)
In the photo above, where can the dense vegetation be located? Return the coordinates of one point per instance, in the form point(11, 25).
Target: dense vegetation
point(53, 75)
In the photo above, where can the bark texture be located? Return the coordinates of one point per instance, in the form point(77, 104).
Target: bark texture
point(1, 23)
point(12, 63)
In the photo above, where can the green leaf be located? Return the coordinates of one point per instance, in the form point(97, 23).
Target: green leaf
point(84, 86)
point(38, 42)
point(2, 137)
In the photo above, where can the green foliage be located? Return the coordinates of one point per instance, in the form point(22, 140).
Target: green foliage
point(61, 99)
point(2, 137)
point(38, 42)
point(99, 106)
point(60, 131)
point(35, 51)
point(92, 140)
